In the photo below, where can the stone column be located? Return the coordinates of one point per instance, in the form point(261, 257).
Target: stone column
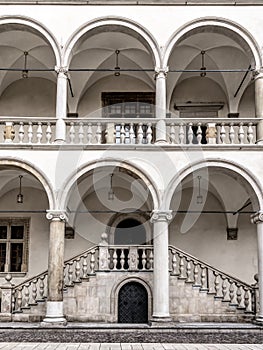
point(61, 104)
point(54, 312)
point(160, 220)
point(160, 102)
point(258, 220)
point(259, 104)
point(6, 299)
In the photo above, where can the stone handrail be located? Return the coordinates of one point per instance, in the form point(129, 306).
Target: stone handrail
point(211, 280)
point(129, 131)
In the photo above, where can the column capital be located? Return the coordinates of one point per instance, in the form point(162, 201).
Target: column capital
point(62, 70)
point(161, 215)
point(257, 218)
point(161, 72)
point(57, 215)
point(257, 73)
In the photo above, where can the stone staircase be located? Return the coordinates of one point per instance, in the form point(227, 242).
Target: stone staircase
point(198, 291)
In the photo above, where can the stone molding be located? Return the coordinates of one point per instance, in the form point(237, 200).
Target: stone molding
point(257, 218)
point(161, 215)
point(57, 215)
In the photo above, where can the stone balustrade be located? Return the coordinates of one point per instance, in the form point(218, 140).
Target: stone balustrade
point(211, 280)
point(136, 131)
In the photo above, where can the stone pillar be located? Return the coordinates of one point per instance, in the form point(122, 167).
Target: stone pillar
point(211, 133)
point(160, 220)
point(258, 220)
point(54, 312)
point(160, 102)
point(61, 104)
point(6, 299)
point(259, 104)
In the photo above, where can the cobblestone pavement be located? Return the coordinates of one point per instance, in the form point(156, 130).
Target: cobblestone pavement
point(126, 346)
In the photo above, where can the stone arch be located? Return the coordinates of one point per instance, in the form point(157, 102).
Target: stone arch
point(35, 27)
point(64, 195)
point(240, 34)
point(116, 289)
point(249, 180)
point(130, 26)
point(32, 169)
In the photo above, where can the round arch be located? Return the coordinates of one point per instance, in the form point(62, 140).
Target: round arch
point(65, 193)
point(245, 174)
point(131, 26)
point(32, 169)
point(117, 287)
point(35, 27)
point(215, 22)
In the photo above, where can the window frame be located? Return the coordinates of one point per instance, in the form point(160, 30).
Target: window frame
point(9, 222)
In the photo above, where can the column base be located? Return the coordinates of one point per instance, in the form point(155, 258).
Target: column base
point(259, 142)
point(162, 142)
point(258, 320)
point(54, 315)
point(158, 321)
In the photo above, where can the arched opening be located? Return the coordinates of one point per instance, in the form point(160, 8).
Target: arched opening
point(133, 303)
point(130, 231)
point(25, 45)
point(218, 46)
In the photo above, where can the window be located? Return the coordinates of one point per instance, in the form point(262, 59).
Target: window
point(14, 244)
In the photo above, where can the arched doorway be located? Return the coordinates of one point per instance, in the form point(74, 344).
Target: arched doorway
point(133, 303)
point(130, 231)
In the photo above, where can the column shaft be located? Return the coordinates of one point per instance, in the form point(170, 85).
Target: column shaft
point(161, 267)
point(61, 105)
point(160, 102)
point(259, 316)
point(259, 106)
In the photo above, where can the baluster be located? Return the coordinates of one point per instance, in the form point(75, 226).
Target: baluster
point(241, 133)
point(247, 301)
point(39, 132)
point(115, 259)
point(89, 134)
point(30, 132)
point(98, 133)
point(231, 133)
point(72, 132)
point(190, 133)
point(203, 278)
point(232, 294)
point(144, 259)
point(41, 288)
point(122, 133)
point(81, 133)
point(151, 260)
point(21, 132)
point(19, 300)
point(250, 133)
point(149, 133)
point(132, 134)
point(240, 300)
point(70, 274)
point(224, 289)
point(196, 274)
point(122, 259)
point(92, 262)
point(172, 133)
point(77, 271)
point(217, 285)
point(188, 271)
point(222, 133)
point(48, 132)
point(181, 267)
point(140, 134)
point(34, 292)
point(181, 133)
point(174, 263)
point(199, 133)
point(26, 296)
point(85, 267)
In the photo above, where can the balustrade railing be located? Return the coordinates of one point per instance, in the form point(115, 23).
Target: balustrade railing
point(223, 131)
point(211, 280)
